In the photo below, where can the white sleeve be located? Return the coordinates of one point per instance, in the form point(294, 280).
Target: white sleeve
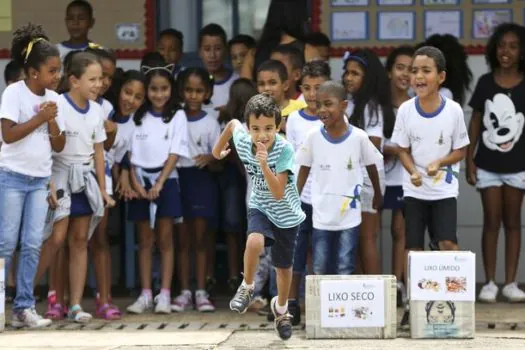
point(400, 134)
point(460, 136)
point(10, 108)
point(447, 93)
point(179, 139)
point(100, 132)
point(304, 155)
point(291, 132)
point(60, 118)
point(373, 126)
point(369, 153)
point(215, 133)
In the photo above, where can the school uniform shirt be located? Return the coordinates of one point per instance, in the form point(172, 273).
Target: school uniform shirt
point(298, 126)
point(431, 137)
point(84, 128)
point(31, 155)
point(154, 140)
point(125, 127)
point(107, 107)
point(221, 90)
point(65, 48)
point(394, 170)
point(337, 176)
point(204, 131)
point(442, 91)
point(501, 143)
point(283, 213)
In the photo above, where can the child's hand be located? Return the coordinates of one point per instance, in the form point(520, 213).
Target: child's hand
point(226, 150)
point(110, 202)
point(416, 179)
point(377, 201)
point(110, 127)
point(202, 160)
point(141, 191)
point(48, 111)
point(433, 168)
point(52, 199)
point(154, 192)
point(262, 154)
point(472, 177)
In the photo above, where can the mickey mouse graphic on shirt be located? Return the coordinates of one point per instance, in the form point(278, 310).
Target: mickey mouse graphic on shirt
point(504, 126)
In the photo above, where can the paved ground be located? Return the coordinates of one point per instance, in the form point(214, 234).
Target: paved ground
point(226, 330)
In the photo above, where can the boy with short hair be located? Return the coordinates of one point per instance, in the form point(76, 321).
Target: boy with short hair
point(334, 153)
point(272, 79)
point(239, 47)
point(79, 20)
point(321, 42)
point(212, 51)
point(171, 45)
point(298, 126)
point(274, 213)
point(431, 134)
point(293, 60)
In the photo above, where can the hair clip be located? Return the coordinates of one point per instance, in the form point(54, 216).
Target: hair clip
point(94, 46)
point(211, 77)
point(349, 57)
point(147, 69)
point(29, 47)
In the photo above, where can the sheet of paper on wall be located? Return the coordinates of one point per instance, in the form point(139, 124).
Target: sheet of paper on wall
point(349, 26)
point(443, 22)
point(6, 16)
point(440, 2)
point(396, 25)
point(349, 2)
point(394, 2)
point(484, 22)
point(127, 32)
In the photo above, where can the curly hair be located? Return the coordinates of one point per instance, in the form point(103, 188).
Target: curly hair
point(491, 55)
point(262, 105)
point(41, 48)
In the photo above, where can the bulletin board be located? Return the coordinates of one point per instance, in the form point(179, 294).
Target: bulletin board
point(124, 26)
point(382, 25)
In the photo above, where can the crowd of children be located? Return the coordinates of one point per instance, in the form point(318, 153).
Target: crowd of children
point(302, 163)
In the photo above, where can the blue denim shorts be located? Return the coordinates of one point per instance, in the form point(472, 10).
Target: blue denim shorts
point(489, 179)
point(334, 252)
point(281, 240)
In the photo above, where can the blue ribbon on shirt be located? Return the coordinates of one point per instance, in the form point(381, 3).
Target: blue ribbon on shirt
point(357, 197)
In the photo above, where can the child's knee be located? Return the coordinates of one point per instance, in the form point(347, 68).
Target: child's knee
point(166, 243)
point(255, 243)
point(78, 241)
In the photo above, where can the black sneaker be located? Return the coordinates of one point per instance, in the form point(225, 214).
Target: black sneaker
point(233, 283)
point(283, 323)
point(270, 317)
point(433, 245)
point(405, 321)
point(210, 285)
point(295, 310)
point(10, 294)
point(242, 299)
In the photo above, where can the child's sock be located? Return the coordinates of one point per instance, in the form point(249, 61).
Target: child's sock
point(249, 286)
point(147, 293)
point(166, 292)
point(281, 309)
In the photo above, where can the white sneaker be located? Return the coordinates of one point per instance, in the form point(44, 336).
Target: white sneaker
point(513, 293)
point(488, 293)
point(183, 302)
point(30, 319)
point(142, 304)
point(162, 304)
point(403, 291)
point(202, 302)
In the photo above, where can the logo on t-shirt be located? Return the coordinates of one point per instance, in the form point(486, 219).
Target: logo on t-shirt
point(349, 165)
point(504, 126)
point(441, 141)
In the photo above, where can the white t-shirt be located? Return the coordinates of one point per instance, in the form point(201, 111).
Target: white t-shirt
point(204, 131)
point(107, 107)
point(125, 129)
point(153, 141)
point(298, 126)
point(431, 137)
point(221, 90)
point(393, 168)
point(443, 91)
point(84, 128)
point(64, 49)
point(335, 165)
point(31, 155)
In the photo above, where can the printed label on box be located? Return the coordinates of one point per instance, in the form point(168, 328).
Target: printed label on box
point(442, 276)
point(352, 304)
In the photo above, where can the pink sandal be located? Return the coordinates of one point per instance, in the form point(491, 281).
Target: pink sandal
point(109, 312)
point(55, 312)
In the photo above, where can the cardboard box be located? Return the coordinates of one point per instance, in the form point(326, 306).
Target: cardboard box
point(2, 295)
point(442, 294)
point(351, 307)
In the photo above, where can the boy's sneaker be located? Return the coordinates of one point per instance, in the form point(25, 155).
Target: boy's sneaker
point(265, 310)
point(283, 322)
point(405, 321)
point(162, 304)
point(211, 282)
point(183, 302)
point(513, 293)
point(488, 293)
point(433, 245)
point(142, 304)
point(233, 283)
point(30, 319)
point(242, 299)
point(202, 302)
point(295, 310)
point(401, 294)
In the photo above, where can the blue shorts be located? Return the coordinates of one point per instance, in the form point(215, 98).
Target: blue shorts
point(304, 238)
point(488, 179)
point(199, 193)
point(281, 240)
point(168, 203)
point(393, 198)
point(80, 205)
point(232, 199)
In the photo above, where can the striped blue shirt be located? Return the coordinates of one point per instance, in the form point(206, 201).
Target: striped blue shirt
point(283, 213)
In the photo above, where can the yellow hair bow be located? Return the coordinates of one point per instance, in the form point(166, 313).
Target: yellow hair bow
point(94, 46)
point(29, 47)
